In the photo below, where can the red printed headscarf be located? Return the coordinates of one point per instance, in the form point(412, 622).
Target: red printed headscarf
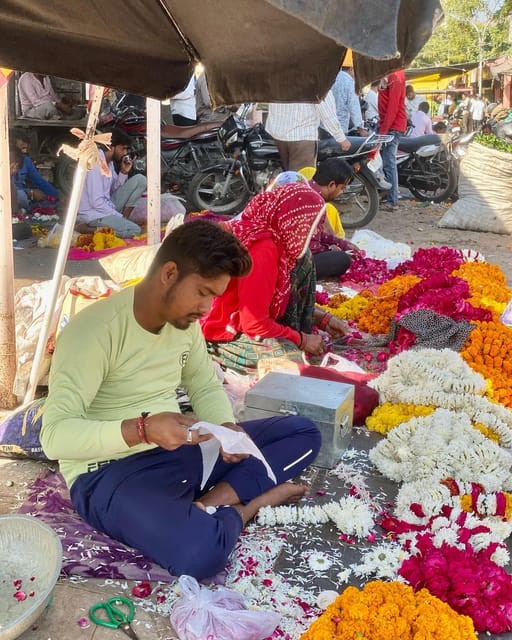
point(289, 216)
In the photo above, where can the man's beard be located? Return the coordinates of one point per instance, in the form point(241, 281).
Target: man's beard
point(184, 322)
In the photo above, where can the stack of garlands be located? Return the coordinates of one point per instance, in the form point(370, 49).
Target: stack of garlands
point(487, 285)
point(377, 316)
point(103, 238)
point(487, 351)
point(385, 610)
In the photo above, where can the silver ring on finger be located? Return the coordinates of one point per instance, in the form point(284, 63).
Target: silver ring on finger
point(189, 435)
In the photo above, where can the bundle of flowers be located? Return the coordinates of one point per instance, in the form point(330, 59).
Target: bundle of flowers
point(104, 238)
point(350, 515)
point(389, 415)
point(445, 295)
point(419, 501)
point(487, 284)
point(348, 308)
point(469, 581)
point(366, 271)
point(384, 610)
point(426, 262)
point(487, 350)
point(442, 378)
point(441, 445)
point(45, 218)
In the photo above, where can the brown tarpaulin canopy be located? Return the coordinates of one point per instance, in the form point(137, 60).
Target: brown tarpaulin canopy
point(268, 50)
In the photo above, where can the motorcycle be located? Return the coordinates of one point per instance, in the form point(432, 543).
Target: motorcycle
point(184, 150)
point(226, 188)
point(425, 167)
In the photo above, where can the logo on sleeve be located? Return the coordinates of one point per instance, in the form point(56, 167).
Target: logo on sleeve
point(184, 358)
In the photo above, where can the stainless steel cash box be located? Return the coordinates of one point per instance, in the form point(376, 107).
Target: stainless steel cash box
point(329, 404)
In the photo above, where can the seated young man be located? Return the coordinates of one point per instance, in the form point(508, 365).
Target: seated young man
point(112, 419)
point(109, 201)
point(32, 188)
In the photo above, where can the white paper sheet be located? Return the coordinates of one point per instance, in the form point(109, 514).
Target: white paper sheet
point(231, 442)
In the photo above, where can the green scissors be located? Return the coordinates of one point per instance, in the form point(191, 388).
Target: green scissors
point(117, 618)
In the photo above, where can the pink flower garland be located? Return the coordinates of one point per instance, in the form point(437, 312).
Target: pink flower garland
point(426, 262)
point(366, 271)
point(470, 582)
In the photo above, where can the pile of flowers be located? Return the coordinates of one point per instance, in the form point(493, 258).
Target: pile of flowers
point(384, 610)
point(104, 238)
point(389, 415)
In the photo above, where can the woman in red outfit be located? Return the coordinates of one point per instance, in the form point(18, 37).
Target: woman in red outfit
point(271, 312)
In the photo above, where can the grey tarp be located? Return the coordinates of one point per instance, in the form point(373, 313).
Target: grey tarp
point(276, 50)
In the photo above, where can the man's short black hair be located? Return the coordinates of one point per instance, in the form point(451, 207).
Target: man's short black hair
point(205, 248)
point(335, 170)
point(423, 106)
point(120, 137)
point(19, 134)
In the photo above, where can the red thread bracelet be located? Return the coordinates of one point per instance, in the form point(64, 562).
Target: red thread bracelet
point(141, 427)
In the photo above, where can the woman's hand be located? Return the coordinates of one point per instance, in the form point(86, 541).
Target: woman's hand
point(312, 343)
point(336, 328)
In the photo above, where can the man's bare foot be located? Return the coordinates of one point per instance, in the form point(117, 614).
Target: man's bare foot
point(284, 493)
point(281, 494)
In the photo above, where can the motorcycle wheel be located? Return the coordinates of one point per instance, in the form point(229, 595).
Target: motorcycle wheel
point(444, 186)
point(205, 191)
point(64, 172)
point(358, 204)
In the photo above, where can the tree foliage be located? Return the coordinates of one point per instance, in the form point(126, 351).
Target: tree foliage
point(456, 40)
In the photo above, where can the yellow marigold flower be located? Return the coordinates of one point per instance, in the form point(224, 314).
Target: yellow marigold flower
point(384, 610)
point(389, 415)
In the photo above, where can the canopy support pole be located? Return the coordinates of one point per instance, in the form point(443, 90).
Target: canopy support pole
point(153, 169)
point(7, 323)
point(60, 265)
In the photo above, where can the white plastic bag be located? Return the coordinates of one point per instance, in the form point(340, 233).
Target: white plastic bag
point(375, 246)
point(220, 614)
point(170, 205)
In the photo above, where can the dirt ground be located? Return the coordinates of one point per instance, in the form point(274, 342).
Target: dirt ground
point(412, 223)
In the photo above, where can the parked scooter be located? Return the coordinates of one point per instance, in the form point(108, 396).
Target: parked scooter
point(226, 188)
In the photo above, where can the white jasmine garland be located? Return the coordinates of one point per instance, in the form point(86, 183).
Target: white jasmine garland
point(350, 515)
point(442, 445)
point(443, 379)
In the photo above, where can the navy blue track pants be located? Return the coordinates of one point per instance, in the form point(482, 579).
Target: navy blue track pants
point(145, 500)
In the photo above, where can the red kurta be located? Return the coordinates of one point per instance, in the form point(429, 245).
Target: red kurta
point(245, 305)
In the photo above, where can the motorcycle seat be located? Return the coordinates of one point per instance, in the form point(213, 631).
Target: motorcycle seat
point(413, 144)
point(328, 146)
point(184, 133)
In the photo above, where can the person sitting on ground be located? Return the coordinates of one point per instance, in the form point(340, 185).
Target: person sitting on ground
point(109, 201)
point(112, 419)
point(31, 187)
point(39, 101)
point(422, 124)
point(15, 162)
point(271, 312)
point(331, 255)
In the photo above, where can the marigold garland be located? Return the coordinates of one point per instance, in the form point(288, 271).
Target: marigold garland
point(487, 284)
point(487, 351)
point(104, 238)
point(390, 415)
point(384, 610)
point(347, 308)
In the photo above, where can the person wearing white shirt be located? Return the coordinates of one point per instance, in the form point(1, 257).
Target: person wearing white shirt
point(183, 105)
point(372, 101)
point(477, 110)
point(422, 124)
point(412, 101)
point(294, 127)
